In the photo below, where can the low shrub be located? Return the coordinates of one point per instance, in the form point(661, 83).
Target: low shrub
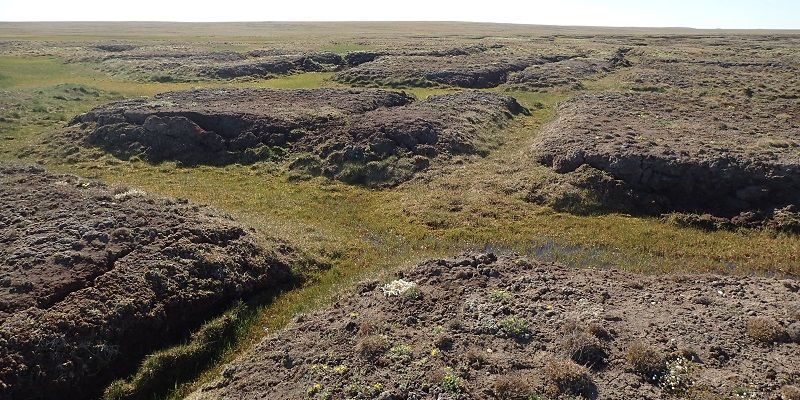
point(401, 352)
point(452, 383)
point(515, 326)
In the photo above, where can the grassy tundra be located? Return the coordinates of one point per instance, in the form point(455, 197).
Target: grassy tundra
point(475, 203)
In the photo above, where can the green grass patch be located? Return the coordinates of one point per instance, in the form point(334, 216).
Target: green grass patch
point(308, 80)
point(21, 72)
point(37, 72)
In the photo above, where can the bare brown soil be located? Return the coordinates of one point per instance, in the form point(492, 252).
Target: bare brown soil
point(479, 327)
point(371, 137)
point(92, 279)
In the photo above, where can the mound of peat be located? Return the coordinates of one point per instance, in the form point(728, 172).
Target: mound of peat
point(680, 153)
point(92, 279)
point(277, 65)
point(773, 79)
point(482, 327)
point(568, 72)
point(358, 136)
point(479, 70)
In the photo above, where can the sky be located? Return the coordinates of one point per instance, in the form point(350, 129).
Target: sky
point(730, 14)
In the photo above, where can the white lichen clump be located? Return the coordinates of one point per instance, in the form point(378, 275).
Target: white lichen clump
point(128, 194)
point(398, 287)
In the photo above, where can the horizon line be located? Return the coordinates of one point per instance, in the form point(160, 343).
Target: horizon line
point(394, 21)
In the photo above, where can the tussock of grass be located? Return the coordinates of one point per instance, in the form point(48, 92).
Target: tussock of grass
point(512, 387)
point(565, 378)
point(646, 360)
point(373, 346)
point(765, 330)
point(584, 348)
point(790, 392)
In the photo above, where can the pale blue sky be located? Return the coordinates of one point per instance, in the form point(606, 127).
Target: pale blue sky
point(767, 14)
